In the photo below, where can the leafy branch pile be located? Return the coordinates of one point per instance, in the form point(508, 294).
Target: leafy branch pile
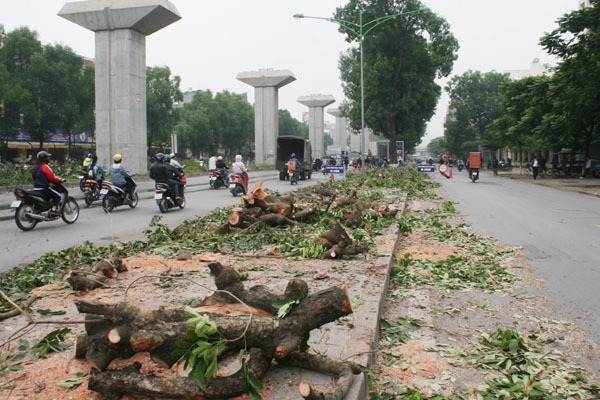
point(522, 367)
point(525, 370)
point(481, 265)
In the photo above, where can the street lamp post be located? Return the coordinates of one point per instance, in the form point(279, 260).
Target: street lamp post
point(361, 30)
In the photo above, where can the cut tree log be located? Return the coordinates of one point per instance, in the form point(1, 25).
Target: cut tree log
point(259, 198)
point(157, 331)
point(114, 384)
point(343, 372)
point(229, 283)
point(337, 243)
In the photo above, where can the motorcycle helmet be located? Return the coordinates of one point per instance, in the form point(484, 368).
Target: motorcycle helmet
point(159, 156)
point(166, 158)
point(117, 158)
point(43, 156)
point(172, 155)
point(219, 158)
point(293, 154)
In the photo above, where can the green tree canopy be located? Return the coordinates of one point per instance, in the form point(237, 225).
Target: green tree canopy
point(162, 90)
point(575, 86)
point(224, 122)
point(288, 125)
point(45, 87)
point(401, 60)
point(437, 146)
point(475, 103)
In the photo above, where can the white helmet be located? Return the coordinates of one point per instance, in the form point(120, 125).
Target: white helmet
point(219, 158)
point(172, 155)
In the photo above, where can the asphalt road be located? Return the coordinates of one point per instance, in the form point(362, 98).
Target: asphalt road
point(123, 224)
point(558, 230)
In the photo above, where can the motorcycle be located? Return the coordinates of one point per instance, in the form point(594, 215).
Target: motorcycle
point(460, 165)
point(236, 185)
point(165, 197)
point(32, 207)
point(114, 196)
point(292, 173)
point(216, 178)
point(91, 189)
point(474, 174)
point(83, 175)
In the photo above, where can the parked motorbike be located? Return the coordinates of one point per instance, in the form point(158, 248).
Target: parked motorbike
point(31, 207)
point(216, 178)
point(165, 197)
point(474, 174)
point(114, 196)
point(236, 185)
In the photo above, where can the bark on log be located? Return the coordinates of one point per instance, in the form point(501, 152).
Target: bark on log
point(157, 331)
point(259, 198)
point(114, 384)
point(240, 220)
point(228, 280)
point(343, 371)
point(276, 220)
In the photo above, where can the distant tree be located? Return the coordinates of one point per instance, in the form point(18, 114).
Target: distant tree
point(575, 88)
point(437, 146)
point(162, 90)
point(223, 123)
point(194, 128)
point(526, 104)
point(232, 118)
point(475, 103)
point(402, 59)
point(16, 55)
point(288, 125)
point(43, 85)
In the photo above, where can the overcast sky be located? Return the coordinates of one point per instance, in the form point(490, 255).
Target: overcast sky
point(215, 40)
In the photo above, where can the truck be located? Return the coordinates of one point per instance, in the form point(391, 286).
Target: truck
point(286, 145)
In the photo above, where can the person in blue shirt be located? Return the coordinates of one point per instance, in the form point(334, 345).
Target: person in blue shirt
point(96, 170)
point(120, 177)
point(298, 164)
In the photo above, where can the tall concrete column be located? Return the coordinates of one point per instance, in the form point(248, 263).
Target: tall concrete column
point(266, 83)
point(121, 27)
point(341, 129)
point(355, 142)
point(316, 104)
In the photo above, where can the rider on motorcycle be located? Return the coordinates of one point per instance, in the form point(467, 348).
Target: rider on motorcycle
point(297, 163)
point(97, 172)
point(174, 177)
point(42, 176)
point(222, 167)
point(161, 174)
point(120, 177)
point(239, 167)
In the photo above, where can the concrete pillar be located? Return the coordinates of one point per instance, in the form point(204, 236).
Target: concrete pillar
point(121, 27)
point(355, 142)
point(316, 103)
point(341, 129)
point(266, 83)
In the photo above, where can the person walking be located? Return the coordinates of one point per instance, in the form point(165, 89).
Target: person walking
point(535, 165)
point(495, 165)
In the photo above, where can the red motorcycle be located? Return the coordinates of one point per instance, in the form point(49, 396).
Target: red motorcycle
point(237, 184)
